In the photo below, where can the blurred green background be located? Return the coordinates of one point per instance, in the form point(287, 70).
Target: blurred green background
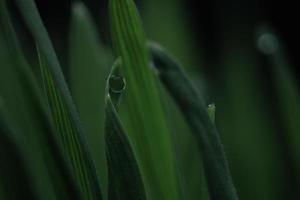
point(242, 54)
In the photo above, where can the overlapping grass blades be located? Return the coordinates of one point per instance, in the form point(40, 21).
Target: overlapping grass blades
point(145, 123)
point(188, 156)
point(34, 130)
point(125, 181)
point(89, 63)
point(192, 105)
point(68, 136)
point(63, 110)
point(21, 113)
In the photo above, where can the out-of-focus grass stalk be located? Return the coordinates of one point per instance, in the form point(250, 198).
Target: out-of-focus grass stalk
point(246, 128)
point(288, 93)
point(167, 23)
point(89, 67)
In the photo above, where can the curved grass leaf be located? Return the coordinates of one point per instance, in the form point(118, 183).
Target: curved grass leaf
point(89, 61)
point(18, 106)
point(36, 128)
point(188, 162)
point(41, 128)
point(78, 153)
point(68, 136)
point(125, 180)
point(193, 108)
point(146, 125)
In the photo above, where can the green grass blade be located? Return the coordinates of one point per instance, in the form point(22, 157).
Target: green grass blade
point(87, 169)
point(83, 165)
point(188, 162)
point(89, 68)
point(146, 125)
point(69, 137)
point(193, 108)
point(125, 181)
point(42, 130)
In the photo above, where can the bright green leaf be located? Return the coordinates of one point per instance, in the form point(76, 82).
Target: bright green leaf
point(145, 120)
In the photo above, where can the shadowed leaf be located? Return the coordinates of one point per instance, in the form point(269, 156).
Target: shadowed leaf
point(125, 180)
point(193, 108)
point(89, 68)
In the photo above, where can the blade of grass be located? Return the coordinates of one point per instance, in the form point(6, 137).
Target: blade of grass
point(193, 108)
point(189, 163)
point(69, 138)
point(146, 124)
point(42, 132)
point(89, 61)
point(84, 166)
point(16, 103)
point(125, 181)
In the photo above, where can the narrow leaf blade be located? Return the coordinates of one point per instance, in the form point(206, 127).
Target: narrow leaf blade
point(64, 108)
point(125, 181)
point(68, 135)
point(145, 120)
point(193, 108)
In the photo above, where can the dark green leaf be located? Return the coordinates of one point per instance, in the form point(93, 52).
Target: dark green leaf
point(64, 113)
point(125, 180)
point(69, 137)
point(37, 133)
point(193, 108)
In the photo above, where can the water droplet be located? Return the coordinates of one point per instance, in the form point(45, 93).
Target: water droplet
point(117, 84)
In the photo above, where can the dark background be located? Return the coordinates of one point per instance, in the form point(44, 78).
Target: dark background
point(207, 18)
